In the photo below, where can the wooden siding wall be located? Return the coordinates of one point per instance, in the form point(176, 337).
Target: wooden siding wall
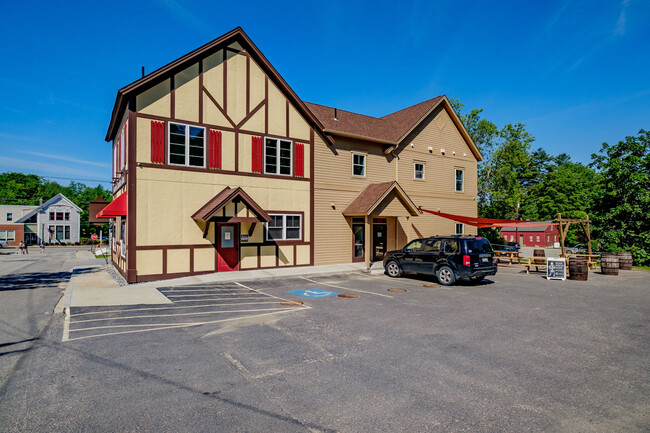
point(334, 183)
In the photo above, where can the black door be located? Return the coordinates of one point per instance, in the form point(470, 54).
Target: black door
point(411, 256)
point(378, 241)
point(431, 253)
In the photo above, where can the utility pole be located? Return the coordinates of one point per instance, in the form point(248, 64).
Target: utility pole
point(516, 226)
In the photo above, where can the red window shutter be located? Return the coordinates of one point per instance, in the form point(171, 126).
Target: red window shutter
point(214, 159)
point(257, 155)
point(299, 159)
point(158, 142)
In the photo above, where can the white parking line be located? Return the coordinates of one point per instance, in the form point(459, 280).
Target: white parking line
point(346, 288)
point(212, 294)
point(172, 308)
point(215, 299)
point(176, 315)
point(260, 292)
point(184, 325)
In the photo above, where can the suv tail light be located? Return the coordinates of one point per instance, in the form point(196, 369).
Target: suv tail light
point(466, 260)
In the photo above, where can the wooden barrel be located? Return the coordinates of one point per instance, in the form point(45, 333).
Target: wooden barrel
point(609, 264)
point(625, 261)
point(578, 269)
point(539, 253)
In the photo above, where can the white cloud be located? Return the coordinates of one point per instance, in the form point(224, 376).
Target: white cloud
point(66, 158)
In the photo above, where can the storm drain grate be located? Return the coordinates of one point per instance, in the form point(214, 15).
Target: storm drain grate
point(397, 290)
point(347, 296)
point(292, 303)
point(431, 285)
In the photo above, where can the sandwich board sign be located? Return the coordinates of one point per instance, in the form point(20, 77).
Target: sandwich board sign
point(555, 269)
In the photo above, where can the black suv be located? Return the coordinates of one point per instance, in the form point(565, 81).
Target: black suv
point(447, 257)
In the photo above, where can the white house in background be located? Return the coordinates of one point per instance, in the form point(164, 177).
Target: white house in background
point(56, 220)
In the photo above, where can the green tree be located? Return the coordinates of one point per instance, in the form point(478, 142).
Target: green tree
point(622, 206)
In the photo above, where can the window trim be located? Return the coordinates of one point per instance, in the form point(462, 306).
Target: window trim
point(284, 227)
point(415, 177)
point(292, 148)
point(123, 237)
point(456, 170)
point(187, 145)
point(10, 216)
point(365, 164)
point(462, 229)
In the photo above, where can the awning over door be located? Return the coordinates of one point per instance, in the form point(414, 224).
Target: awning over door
point(215, 209)
point(386, 199)
point(115, 208)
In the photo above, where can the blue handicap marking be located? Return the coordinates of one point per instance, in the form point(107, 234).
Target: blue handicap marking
point(313, 293)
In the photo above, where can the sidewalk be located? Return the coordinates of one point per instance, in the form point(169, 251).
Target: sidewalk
point(91, 285)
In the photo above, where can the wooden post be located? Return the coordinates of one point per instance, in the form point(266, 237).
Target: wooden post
point(367, 242)
point(588, 238)
point(559, 219)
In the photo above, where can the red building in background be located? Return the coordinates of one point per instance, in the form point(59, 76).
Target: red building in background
point(534, 236)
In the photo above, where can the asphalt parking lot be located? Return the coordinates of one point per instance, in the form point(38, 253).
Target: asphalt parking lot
point(514, 353)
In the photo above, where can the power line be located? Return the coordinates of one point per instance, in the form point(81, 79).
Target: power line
point(80, 180)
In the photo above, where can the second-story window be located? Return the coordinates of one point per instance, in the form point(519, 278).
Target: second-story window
point(418, 171)
point(52, 216)
point(358, 164)
point(459, 179)
point(186, 145)
point(277, 156)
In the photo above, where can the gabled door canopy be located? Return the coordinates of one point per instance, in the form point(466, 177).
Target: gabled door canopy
point(210, 210)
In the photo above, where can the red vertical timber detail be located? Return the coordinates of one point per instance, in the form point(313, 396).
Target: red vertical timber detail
point(257, 155)
point(217, 153)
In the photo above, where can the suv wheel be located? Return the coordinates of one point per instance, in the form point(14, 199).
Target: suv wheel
point(393, 270)
point(446, 276)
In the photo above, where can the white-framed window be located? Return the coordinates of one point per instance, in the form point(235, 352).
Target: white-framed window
point(10, 216)
point(186, 145)
point(358, 164)
point(7, 235)
point(460, 228)
point(460, 174)
point(284, 227)
point(60, 232)
point(512, 238)
point(537, 238)
point(278, 156)
point(123, 237)
point(530, 238)
point(418, 170)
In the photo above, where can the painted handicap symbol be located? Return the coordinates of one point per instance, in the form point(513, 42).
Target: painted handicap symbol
point(313, 293)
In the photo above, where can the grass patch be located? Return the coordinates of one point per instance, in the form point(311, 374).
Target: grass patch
point(641, 268)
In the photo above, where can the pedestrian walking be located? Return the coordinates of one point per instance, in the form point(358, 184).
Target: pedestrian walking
point(26, 249)
point(42, 247)
point(21, 247)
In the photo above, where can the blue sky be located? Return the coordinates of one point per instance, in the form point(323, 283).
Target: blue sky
point(575, 72)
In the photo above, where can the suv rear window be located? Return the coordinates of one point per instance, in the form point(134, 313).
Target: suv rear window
point(478, 245)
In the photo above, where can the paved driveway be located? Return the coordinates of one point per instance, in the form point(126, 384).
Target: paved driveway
point(517, 353)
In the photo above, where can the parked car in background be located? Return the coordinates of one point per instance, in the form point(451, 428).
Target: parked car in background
point(449, 258)
point(577, 249)
point(3, 244)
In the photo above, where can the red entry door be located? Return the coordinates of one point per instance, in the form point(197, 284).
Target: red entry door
point(227, 247)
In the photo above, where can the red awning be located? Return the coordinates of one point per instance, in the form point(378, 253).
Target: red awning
point(489, 222)
point(115, 208)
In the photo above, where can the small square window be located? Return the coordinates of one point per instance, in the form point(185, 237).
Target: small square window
point(10, 216)
point(359, 164)
point(460, 227)
point(418, 171)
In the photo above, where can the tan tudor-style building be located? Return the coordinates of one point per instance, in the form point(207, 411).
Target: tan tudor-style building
point(220, 166)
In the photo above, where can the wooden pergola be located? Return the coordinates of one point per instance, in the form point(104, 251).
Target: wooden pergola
point(563, 226)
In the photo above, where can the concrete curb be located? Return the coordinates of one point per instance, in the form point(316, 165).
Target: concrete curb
point(68, 294)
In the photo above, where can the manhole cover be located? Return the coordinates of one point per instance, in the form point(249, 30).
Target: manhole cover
point(397, 290)
point(347, 296)
point(431, 285)
point(292, 303)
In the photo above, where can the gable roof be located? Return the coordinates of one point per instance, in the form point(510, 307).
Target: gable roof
point(236, 35)
point(537, 227)
point(390, 129)
point(47, 204)
point(372, 196)
point(228, 195)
